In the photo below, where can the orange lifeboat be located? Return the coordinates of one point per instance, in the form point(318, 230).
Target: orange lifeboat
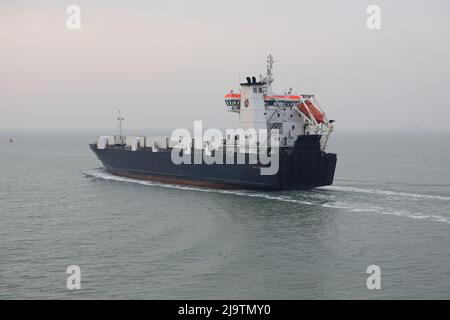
point(233, 96)
point(306, 106)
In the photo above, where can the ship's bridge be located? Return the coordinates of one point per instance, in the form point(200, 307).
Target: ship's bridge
point(233, 101)
point(287, 101)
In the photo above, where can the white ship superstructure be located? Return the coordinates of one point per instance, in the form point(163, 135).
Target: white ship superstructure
point(292, 114)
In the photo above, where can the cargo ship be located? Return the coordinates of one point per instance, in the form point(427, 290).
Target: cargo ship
point(297, 131)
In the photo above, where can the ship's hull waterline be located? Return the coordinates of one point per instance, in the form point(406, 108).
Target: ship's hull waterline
point(301, 167)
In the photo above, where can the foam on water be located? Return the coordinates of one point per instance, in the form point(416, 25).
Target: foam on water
point(100, 173)
point(385, 192)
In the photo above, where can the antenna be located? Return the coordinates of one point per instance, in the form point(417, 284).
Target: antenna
point(270, 61)
point(120, 118)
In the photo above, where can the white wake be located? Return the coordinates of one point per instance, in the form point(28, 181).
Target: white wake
point(100, 173)
point(385, 192)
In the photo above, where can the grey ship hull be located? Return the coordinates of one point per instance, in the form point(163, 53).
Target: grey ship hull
point(301, 167)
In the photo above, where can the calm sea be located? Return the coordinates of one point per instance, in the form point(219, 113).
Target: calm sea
point(389, 206)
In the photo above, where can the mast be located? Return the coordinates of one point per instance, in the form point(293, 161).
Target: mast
point(120, 118)
point(269, 75)
point(270, 63)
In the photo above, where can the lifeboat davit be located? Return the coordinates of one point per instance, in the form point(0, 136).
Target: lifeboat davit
point(306, 106)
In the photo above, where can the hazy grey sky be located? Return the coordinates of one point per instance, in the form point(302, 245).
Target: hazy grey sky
point(168, 63)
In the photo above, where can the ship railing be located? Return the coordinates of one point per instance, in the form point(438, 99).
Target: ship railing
point(165, 144)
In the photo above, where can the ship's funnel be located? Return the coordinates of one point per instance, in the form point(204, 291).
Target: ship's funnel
point(252, 111)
